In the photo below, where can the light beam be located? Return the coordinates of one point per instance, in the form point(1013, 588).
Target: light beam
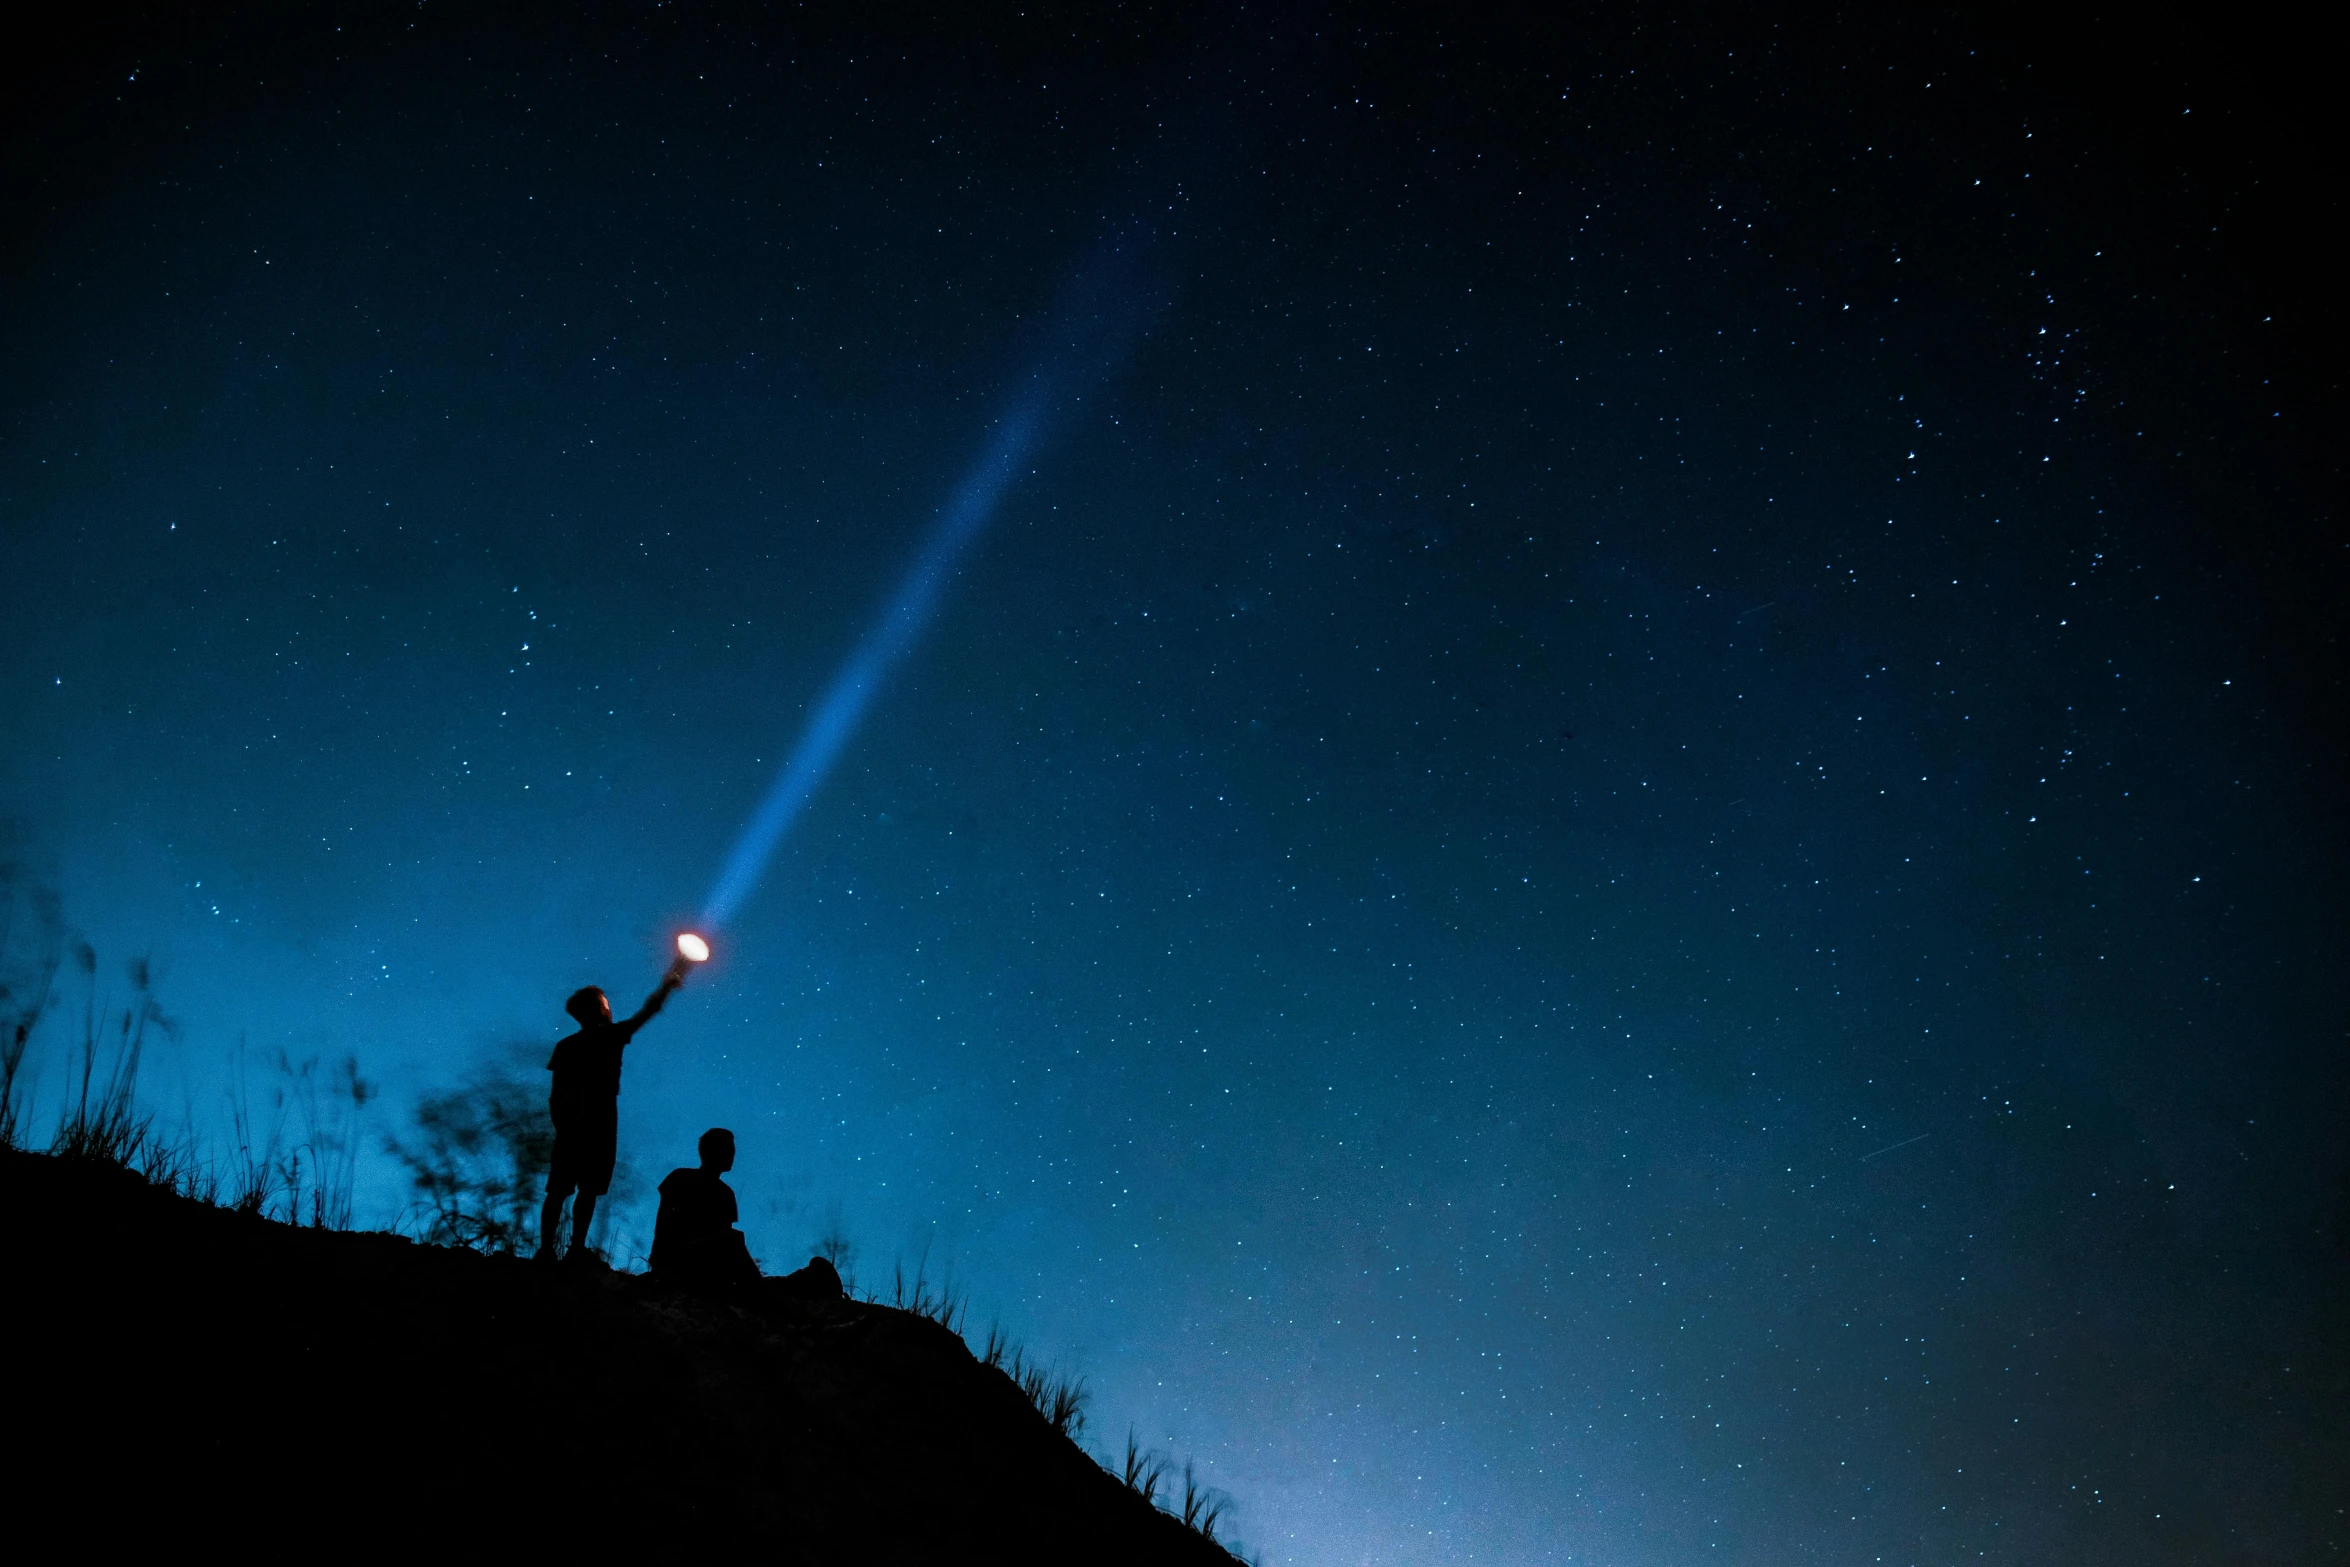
point(1099, 312)
point(836, 717)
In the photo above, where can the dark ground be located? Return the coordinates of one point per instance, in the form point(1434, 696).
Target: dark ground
point(187, 1373)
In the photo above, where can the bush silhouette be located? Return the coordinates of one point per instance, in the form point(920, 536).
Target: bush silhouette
point(479, 1162)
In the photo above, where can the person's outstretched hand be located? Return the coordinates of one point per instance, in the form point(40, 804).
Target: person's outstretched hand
point(678, 969)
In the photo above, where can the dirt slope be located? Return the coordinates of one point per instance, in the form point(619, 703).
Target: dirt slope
point(186, 1375)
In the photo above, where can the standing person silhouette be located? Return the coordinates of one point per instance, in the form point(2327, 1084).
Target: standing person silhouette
point(585, 1106)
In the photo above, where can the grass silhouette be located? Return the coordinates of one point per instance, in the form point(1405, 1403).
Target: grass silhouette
point(478, 1163)
point(1144, 1471)
point(1199, 1508)
point(109, 1125)
point(1059, 1398)
point(937, 1303)
point(32, 945)
point(835, 1247)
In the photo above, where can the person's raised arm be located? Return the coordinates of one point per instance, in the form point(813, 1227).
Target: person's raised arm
point(660, 996)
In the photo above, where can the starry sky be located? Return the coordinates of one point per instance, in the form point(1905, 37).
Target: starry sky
point(1621, 852)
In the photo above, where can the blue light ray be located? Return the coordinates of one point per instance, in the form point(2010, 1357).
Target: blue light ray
point(869, 663)
point(1102, 307)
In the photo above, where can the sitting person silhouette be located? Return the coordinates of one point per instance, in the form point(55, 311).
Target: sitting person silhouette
point(585, 1106)
point(695, 1242)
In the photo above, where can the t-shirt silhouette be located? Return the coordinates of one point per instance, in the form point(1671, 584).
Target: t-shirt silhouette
point(587, 1068)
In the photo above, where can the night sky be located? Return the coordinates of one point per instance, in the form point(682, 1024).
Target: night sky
point(1623, 850)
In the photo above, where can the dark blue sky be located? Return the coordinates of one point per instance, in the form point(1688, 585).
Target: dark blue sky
point(1627, 857)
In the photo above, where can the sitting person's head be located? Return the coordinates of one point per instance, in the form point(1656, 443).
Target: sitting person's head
point(717, 1150)
point(590, 1006)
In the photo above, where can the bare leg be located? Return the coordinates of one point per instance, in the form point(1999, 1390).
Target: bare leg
point(551, 1222)
point(583, 1212)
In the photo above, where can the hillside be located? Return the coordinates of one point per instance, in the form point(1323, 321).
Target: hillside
point(186, 1374)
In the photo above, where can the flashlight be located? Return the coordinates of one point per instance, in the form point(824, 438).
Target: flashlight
point(691, 949)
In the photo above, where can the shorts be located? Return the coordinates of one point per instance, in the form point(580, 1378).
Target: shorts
point(585, 1150)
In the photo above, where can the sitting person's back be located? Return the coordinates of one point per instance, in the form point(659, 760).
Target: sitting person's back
point(694, 1238)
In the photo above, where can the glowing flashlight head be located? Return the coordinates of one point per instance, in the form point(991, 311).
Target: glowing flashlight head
point(693, 948)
